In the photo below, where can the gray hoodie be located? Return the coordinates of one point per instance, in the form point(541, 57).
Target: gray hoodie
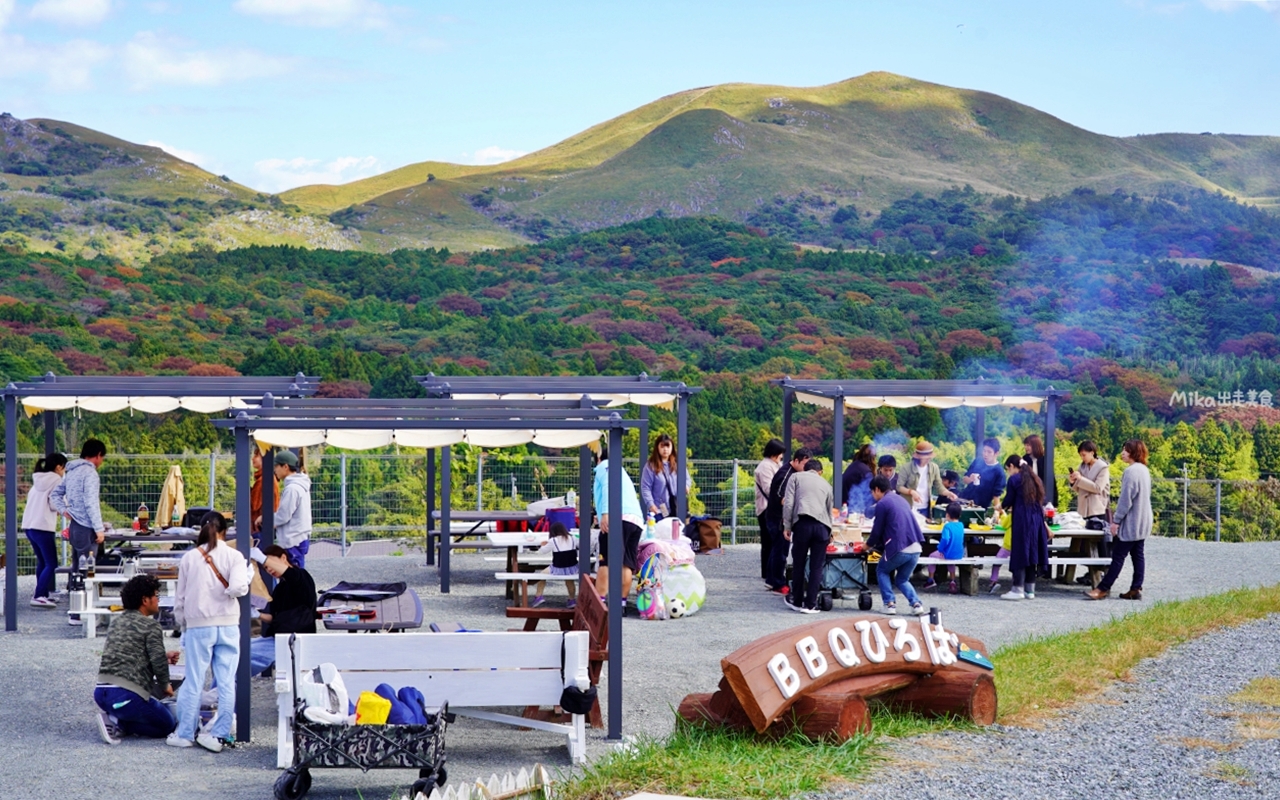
point(77, 495)
point(293, 517)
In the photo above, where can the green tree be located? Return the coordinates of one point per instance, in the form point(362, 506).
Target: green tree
point(1216, 453)
point(1184, 448)
point(1266, 448)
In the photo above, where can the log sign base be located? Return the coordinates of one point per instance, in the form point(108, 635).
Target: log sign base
point(816, 678)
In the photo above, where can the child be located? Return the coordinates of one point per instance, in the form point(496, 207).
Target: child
point(1011, 466)
point(950, 547)
point(564, 562)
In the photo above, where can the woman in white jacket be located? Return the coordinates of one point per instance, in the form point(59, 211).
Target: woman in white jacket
point(212, 576)
point(40, 521)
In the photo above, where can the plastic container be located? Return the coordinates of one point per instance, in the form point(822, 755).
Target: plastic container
point(567, 517)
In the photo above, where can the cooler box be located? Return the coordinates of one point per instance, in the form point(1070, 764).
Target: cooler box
point(567, 516)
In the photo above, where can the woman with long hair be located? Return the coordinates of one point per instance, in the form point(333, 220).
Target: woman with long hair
point(658, 479)
point(1131, 523)
point(40, 521)
point(1034, 456)
point(1029, 538)
point(212, 576)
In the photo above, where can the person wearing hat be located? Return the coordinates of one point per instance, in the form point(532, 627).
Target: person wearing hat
point(921, 479)
point(293, 517)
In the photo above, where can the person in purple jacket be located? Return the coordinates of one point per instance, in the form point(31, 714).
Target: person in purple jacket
point(896, 535)
point(658, 480)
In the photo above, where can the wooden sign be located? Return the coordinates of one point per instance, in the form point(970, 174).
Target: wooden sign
point(771, 675)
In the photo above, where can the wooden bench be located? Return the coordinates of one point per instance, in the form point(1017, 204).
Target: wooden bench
point(969, 568)
point(588, 615)
point(469, 671)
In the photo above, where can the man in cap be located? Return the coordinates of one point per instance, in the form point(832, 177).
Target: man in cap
point(293, 516)
point(920, 481)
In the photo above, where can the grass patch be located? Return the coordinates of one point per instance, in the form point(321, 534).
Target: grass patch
point(900, 725)
point(1263, 691)
point(1052, 672)
point(1231, 773)
point(703, 761)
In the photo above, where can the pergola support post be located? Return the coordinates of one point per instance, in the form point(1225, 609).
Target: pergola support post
point(431, 505)
point(615, 581)
point(788, 403)
point(268, 532)
point(1050, 433)
point(837, 450)
point(585, 488)
point(446, 536)
point(682, 457)
point(979, 430)
point(50, 431)
point(244, 479)
point(11, 510)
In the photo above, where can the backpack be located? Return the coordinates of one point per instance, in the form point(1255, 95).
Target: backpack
point(704, 533)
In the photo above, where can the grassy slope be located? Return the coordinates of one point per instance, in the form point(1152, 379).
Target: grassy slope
point(867, 140)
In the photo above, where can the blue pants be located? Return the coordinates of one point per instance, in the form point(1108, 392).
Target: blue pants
point(298, 554)
point(46, 560)
point(136, 716)
point(262, 654)
point(1120, 550)
point(220, 647)
point(896, 571)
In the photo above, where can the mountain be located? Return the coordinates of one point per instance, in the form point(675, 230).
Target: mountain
point(734, 151)
point(729, 149)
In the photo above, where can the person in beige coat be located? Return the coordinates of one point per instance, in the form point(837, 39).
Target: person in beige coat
point(1092, 482)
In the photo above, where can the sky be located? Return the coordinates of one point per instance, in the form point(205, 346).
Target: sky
point(282, 93)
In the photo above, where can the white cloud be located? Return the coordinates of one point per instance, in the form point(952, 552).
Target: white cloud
point(278, 174)
point(186, 155)
point(71, 12)
point(1231, 5)
point(6, 11)
point(150, 61)
point(492, 155)
point(317, 13)
point(67, 66)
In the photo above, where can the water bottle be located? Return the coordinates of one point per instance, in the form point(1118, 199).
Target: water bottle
point(173, 518)
point(84, 564)
point(571, 499)
point(844, 513)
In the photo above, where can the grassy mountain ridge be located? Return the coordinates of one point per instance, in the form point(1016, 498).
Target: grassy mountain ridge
point(873, 139)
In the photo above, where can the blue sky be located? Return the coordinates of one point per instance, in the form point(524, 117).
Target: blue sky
point(279, 93)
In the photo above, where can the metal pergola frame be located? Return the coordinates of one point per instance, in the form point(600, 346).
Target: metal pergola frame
point(423, 415)
point(446, 386)
point(838, 390)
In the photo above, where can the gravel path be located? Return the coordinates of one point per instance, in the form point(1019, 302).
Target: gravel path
point(1170, 732)
point(47, 672)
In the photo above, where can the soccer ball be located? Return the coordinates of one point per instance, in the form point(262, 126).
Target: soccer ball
point(675, 608)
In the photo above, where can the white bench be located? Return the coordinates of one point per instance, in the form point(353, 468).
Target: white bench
point(469, 671)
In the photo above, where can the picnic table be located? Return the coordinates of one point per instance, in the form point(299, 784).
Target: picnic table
point(98, 604)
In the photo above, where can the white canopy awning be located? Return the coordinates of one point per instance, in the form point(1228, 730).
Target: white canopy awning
point(1024, 402)
point(33, 404)
point(612, 400)
point(357, 439)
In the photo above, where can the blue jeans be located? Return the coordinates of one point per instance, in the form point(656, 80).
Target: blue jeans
point(896, 571)
point(135, 715)
point(219, 646)
point(262, 654)
point(46, 560)
point(298, 554)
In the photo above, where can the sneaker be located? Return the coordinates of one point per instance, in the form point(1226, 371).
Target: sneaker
point(1014, 594)
point(571, 604)
point(108, 728)
point(953, 588)
point(781, 590)
point(175, 740)
point(995, 588)
point(930, 584)
point(537, 601)
point(799, 609)
point(918, 610)
point(1029, 595)
point(891, 609)
point(74, 620)
point(42, 602)
point(209, 742)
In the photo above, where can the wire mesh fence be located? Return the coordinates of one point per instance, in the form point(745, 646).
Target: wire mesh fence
point(362, 497)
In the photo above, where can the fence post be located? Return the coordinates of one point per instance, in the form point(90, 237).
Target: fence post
point(515, 488)
point(1185, 483)
point(733, 515)
point(342, 504)
point(213, 478)
point(480, 483)
point(1217, 513)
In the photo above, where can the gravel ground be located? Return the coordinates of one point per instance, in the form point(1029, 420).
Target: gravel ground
point(47, 672)
point(1170, 732)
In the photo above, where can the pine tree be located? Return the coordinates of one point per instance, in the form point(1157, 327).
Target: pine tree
point(1184, 448)
point(1266, 448)
point(1215, 450)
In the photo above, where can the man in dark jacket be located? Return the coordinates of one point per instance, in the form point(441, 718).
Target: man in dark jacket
point(775, 575)
point(896, 535)
point(292, 608)
point(135, 668)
